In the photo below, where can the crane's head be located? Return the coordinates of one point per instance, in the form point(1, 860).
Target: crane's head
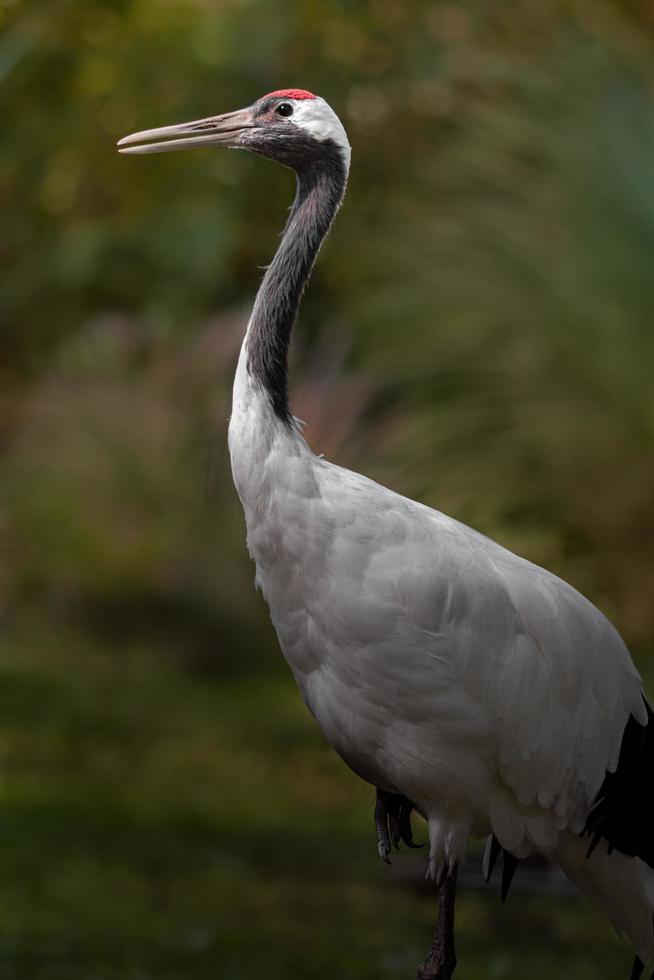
point(292, 126)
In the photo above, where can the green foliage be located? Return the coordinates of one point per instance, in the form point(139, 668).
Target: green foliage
point(484, 300)
point(157, 824)
point(478, 333)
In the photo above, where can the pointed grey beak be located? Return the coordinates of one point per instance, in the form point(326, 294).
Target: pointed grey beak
point(215, 131)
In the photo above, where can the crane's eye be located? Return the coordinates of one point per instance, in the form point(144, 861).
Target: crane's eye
point(285, 109)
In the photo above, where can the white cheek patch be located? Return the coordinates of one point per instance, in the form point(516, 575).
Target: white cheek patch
point(319, 119)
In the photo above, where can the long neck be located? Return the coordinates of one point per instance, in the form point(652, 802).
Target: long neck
point(320, 190)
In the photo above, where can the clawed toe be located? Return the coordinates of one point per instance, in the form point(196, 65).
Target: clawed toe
point(393, 823)
point(405, 824)
point(384, 848)
point(382, 829)
point(395, 827)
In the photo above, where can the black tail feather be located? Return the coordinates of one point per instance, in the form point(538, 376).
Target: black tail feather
point(508, 870)
point(623, 812)
point(491, 854)
point(509, 864)
point(637, 969)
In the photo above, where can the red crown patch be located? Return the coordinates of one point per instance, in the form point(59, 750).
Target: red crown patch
point(291, 93)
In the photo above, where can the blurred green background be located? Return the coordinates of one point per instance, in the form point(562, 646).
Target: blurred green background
point(478, 334)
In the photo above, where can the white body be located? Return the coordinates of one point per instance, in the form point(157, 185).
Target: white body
point(438, 664)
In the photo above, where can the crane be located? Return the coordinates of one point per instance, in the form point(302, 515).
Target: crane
point(455, 677)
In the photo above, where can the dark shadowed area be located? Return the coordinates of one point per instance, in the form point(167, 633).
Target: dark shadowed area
point(478, 334)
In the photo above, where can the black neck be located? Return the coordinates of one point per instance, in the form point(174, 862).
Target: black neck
point(320, 189)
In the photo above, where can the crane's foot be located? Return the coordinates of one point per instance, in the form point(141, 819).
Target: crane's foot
point(432, 969)
point(441, 960)
point(393, 823)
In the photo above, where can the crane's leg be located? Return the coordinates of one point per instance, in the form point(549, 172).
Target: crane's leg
point(441, 960)
point(392, 822)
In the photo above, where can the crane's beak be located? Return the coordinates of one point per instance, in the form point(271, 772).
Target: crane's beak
point(224, 130)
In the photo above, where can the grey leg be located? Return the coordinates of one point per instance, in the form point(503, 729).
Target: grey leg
point(441, 960)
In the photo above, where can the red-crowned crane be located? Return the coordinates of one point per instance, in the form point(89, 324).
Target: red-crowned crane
point(455, 677)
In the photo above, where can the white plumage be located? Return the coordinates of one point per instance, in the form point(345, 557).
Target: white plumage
point(438, 664)
point(443, 669)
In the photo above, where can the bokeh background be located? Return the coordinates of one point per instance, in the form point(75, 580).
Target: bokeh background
point(478, 334)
